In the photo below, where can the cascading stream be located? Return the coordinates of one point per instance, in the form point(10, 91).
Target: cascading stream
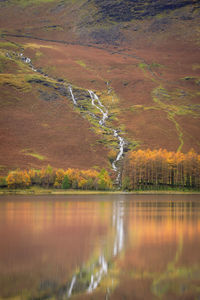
point(96, 103)
point(72, 95)
point(94, 98)
point(121, 152)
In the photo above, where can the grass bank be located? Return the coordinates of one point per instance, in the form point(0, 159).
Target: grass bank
point(44, 191)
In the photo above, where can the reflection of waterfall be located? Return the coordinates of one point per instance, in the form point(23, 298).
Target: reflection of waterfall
point(100, 267)
point(71, 286)
point(99, 270)
point(96, 278)
point(118, 223)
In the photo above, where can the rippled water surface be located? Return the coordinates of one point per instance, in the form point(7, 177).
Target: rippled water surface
point(100, 247)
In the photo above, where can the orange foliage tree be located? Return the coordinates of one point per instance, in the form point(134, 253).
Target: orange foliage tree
point(47, 176)
point(18, 179)
point(60, 175)
point(144, 169)
point(58, 178)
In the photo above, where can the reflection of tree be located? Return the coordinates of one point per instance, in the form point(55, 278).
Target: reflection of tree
point(169, 273)
point(166, 222)
point(101, 267)
point(174, 278)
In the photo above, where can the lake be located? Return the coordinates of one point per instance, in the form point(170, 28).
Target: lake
point(100, 247)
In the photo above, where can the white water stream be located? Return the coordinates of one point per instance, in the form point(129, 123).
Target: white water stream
point(104, 112)
point(98, 104)
point(121, 149)
point(73, 98)
point(94, 98)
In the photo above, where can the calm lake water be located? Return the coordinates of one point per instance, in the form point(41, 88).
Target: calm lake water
point(100, 247)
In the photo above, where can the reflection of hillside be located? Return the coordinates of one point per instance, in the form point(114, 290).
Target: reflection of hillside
point(44, 238)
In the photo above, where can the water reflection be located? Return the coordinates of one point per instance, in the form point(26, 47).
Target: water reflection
point(118, 224)
point(90, 276)
point(100, 247)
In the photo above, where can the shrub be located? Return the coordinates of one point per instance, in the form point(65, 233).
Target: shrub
point(104, 181)
point(66, 183)
point(3, 182)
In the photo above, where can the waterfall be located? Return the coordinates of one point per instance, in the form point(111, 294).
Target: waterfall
point(94, 98)
point(73, 98)
point(96, 103)
point(121, 149)
point(104, 112)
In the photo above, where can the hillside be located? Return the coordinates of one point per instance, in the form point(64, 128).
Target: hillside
point(141, 58)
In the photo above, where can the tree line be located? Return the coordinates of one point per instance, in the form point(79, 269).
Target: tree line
point(141, 170)
point(49, 177)
point(153, 169)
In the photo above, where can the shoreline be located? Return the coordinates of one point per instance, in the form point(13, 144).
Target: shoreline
point(43, 191)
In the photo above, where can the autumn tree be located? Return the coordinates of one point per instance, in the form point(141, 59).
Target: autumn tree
point(146, 169)
point(18, 179)
point(59, 177)
point(104, 180)
point(47, 176)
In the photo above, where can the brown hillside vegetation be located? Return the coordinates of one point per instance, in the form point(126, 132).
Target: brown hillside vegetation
point(39, 127)
point(145, 69)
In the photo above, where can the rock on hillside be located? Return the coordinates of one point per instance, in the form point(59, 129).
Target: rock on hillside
point(126, 10)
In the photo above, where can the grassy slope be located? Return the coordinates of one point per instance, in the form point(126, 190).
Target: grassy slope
point(152, 68)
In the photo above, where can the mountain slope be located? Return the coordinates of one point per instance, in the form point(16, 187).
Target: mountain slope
point(140, 57)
